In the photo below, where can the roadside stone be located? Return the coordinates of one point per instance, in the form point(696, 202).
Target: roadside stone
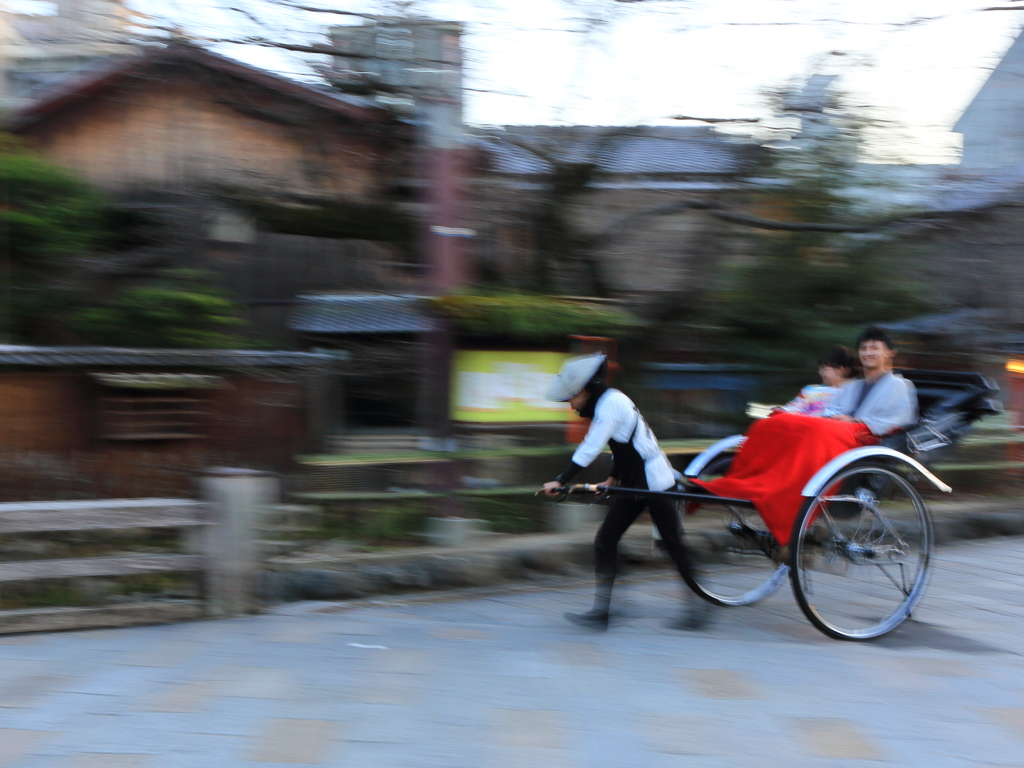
point(466, 571)
point(334, 575)
point(581, 553)
point(352, 583)
point(412, 576)
point(1003, 523)
point(385, 577)
point(275, 586)
point(315, 584)
point(546, 559)
point(951, 530)
point(331, 585)
point(511, 566)
point(979, 525)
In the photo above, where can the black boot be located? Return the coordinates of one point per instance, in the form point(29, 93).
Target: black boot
point(698, 616)
point(596, 617)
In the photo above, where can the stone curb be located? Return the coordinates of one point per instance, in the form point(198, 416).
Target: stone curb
point(531, 557)
point(358, 577)
point(979, 525)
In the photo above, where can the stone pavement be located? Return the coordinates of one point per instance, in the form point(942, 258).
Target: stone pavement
point(482, 679)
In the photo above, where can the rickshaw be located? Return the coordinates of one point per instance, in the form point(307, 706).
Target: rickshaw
point(859, 557)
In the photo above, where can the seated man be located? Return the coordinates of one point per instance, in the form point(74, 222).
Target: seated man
point(784, 451)
point(882, 400)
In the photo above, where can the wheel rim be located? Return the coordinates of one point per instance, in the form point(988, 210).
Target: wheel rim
point(734, 570)
point(861, 552)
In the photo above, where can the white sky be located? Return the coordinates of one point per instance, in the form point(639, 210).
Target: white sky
point(529, 61)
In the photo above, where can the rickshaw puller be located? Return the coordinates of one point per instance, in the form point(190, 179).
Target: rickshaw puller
point(637, 462)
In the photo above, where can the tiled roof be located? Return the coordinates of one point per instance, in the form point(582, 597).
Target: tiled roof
point(360, 313)
point(77, 90)
point(11, 354)
point(641, 151)
point(980, 327)
point(946, 323)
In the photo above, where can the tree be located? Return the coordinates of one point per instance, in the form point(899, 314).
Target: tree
point(180, 309)
point(47, 216)
point(802, 291)
point(571, 161)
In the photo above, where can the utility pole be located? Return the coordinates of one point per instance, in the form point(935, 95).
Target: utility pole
point(414, 67)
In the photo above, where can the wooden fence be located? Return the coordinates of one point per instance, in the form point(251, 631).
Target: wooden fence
point(218, 539)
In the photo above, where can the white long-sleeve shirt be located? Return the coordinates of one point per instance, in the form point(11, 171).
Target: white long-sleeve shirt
point(617, 418)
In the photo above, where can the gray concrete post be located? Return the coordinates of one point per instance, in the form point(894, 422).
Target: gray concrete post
point(236, 499)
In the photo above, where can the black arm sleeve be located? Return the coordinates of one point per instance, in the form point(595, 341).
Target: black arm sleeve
point(571, 471)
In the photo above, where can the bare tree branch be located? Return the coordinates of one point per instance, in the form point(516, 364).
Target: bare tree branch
point(792, 226)
point(717, 119)
point(246, 14)
point(314, 9)
point(262, 42)
point(720, 211)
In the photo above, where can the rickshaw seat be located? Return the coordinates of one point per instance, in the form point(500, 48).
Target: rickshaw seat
point(948, 403)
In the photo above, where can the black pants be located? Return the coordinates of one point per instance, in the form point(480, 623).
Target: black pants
point(623, 512)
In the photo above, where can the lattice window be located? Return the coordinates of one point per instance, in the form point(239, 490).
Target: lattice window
point(151, 416)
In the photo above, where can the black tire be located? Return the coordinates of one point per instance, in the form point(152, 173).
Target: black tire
point(859, 576)
point(735, 568)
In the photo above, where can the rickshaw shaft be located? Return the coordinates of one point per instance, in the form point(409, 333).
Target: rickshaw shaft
point(705, 498)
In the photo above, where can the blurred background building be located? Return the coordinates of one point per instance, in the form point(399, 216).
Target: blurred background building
point(991, 124)
point(341, 216)
point(44, 43)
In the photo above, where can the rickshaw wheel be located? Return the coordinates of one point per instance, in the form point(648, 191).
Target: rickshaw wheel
point(861, 553)
point(736, 567)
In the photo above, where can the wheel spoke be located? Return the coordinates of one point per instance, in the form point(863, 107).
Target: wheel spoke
point(831, 523)
point(887, 525)
point(889, 576)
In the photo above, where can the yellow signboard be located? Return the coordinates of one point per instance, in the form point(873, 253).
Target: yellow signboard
point(499, 386)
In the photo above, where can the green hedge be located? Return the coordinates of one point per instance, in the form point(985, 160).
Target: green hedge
point(532, 317)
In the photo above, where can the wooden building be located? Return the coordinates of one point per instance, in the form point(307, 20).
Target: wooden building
point(180, 118)
point(196, 148)
point(80, 422)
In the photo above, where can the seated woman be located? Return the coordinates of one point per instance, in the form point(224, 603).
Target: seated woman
point(837, 368)
point(784, 451)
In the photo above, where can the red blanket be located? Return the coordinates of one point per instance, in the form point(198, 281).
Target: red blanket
point(780, 455)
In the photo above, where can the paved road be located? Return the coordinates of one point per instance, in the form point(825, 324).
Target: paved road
point(500, 680)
